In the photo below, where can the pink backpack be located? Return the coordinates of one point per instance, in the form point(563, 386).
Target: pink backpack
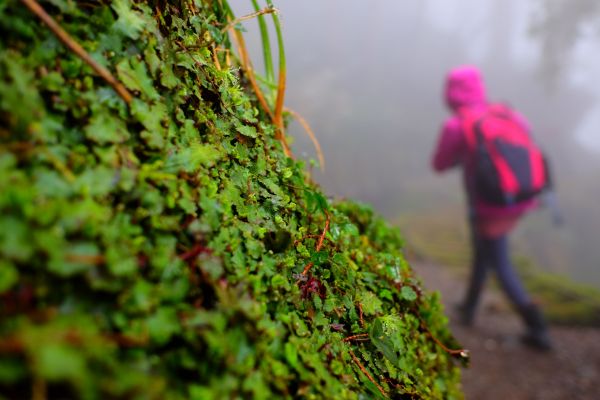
point(509, 167)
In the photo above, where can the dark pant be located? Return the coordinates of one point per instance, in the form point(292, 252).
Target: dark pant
point(493, 254)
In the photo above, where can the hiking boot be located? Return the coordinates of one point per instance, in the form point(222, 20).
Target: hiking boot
point(538, 341)
point(537, 332)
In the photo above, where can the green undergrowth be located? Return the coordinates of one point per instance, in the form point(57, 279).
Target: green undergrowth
point(565, 302)
point(155, 250)
point(443, 238)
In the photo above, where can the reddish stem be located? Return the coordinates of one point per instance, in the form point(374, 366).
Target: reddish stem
point(307, 268)
point(353, 337)
point(194, 252)
point(319, 244)
point(322, 238)
point(454, 352)
point(360, 315)
point(364, 371)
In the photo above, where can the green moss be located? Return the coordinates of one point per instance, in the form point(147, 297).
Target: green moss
point(156, 250)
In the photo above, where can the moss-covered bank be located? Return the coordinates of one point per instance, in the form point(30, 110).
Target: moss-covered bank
point(156, 249)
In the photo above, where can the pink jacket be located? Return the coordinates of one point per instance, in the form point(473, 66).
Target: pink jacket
point(464, 88)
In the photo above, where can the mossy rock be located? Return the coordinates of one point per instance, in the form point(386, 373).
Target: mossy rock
point(156, 249)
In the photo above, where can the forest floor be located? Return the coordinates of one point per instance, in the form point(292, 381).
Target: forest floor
point(501, 366)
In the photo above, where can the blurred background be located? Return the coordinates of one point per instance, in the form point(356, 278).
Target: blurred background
point(368, 77)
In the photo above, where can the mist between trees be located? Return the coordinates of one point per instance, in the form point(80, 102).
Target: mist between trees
point(369, 77)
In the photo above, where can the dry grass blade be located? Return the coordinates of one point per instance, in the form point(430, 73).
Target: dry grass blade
point(280, 135)
point(247, 67)
point(215, 57)
point(76, 48)
point(264, 11)
point(281, 85)
point(311, 135)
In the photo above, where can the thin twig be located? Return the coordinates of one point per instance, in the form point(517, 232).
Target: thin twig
point(319, 244)
point(126, 341)
point(76, 48)
point(192, 8)
point(354, 337)
point(194, 252)
point(454, 352)
point(311, 135)
point(364, 371)
point(307, 268)
point(266, 10)
point(360, 315)
point(85, 259)
point(216, 58)
point(322, 238)
point(365, 339)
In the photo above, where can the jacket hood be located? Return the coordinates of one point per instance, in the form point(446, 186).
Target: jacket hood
point(464, 87)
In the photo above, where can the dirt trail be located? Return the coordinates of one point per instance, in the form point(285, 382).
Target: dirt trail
point(504, 369)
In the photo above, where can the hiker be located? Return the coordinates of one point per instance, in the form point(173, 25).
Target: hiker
point(494, 210)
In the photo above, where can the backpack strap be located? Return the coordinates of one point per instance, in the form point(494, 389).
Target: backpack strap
point(471, 122)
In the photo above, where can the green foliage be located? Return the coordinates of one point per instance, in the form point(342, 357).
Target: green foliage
point(155, 250)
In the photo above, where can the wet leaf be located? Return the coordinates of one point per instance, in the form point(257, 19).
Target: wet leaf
point(168, 248)
point(134, 75)
point(129, 22)
point(408, 293)
point(8, 275)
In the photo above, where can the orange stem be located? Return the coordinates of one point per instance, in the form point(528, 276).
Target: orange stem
point(360, 335)
point(307, 268)
point(364, 371)
point(279, 112)
point(311, 135)
point(247, 67)
point(319, 244)
point(322, 238)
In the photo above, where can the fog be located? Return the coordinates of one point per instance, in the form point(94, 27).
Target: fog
point(368, 76)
